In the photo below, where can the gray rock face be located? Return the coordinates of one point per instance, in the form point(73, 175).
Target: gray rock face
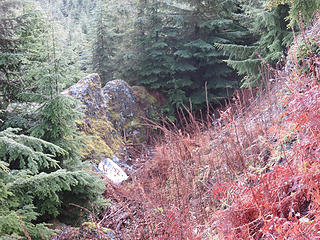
point(112, 113)
point(121, 102)
point(89, 92)
point(127, 106)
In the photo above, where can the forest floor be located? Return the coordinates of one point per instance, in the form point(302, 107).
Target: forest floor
point(251, 174)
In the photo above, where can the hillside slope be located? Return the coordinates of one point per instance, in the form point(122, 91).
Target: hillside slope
point(253, 174)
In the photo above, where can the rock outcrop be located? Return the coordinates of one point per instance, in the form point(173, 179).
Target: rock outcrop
point(89, 92)
point(112, 114)
point(126, 106)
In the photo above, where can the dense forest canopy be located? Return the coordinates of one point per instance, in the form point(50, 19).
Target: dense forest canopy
point(178, 48)
point(189, 51)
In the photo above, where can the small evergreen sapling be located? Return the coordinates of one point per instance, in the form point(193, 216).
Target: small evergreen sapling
point(22, 156)
point(42, 176)
point(33, 189)
point(57, 125)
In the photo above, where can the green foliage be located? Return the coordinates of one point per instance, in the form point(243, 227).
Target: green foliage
point(20, 116)
point(299, 9)
point(25, 152)
point(74, 20)
point(32, 188)
point(306, 53)
point(307, 48)
point(271, 35)
point(49, 191)
point(111, 28)
point(270, 39)
point(56, 124)
point(173, 50)
point(9, 57)
point(106, 36)
point(73, 16)
point(14, 224)
point(34, 61)
point(21, 152)
point(41, 174)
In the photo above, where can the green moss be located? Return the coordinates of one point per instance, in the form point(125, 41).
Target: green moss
point(142, 96)
point(134, 124)
point(102, 140)
point(114, 115)
point(92, 226)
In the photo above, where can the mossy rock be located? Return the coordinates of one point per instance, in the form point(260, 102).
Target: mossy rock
point(143, 98)
point(101, 138)
point(128, 107)
point(111, 114)
point(89, 92)
point(88, 230)
point(91, 230)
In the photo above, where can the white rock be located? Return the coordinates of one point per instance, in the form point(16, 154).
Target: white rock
point(112, 171)
point(304, 220)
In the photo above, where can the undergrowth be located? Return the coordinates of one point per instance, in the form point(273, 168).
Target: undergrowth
point(253, 173)
point(195, 172)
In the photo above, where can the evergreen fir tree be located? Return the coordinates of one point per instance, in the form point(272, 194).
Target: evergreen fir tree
point(21, 154)
point(57, 125)
point(31, 57)
point(112, 26)
point(35, 188)
point(41, 174)
point(175, 51)
point(74, 18)
point(270, 38)
point(9, 56)
point(299, 9)
point(104, 48)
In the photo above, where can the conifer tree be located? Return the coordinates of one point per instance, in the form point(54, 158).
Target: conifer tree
point(104, 48)
point(111, 29)
point(270, 38)
point(21, 155)
point(299, 9)
point(31, 57)
point(35, 188)
point(75, 19)
point(175, 51)
point(41, 174)
point(9, 59)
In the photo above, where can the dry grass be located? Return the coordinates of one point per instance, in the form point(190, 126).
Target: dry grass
point(195, 173)
point(251, 174)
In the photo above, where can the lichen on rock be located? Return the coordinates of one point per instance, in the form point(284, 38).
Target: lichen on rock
point(112, 114)
point(101, 138)
point(89, 92)
point(127, 108)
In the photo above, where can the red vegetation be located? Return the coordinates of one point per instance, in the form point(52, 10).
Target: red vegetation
point(284, 202)
point(252, 174)
point(180, 191)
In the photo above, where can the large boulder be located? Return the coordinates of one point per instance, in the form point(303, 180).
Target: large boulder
point(101, 138)
point(89, 92)
point(127, 107)
point(112, 114)
point(121, 102)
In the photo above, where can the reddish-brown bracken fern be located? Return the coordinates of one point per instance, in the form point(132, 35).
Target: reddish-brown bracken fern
point(251, 173)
